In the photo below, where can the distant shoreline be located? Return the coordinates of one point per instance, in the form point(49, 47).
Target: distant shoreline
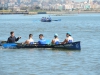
point(51, 12)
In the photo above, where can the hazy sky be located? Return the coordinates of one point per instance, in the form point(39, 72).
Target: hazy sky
point(79, 0)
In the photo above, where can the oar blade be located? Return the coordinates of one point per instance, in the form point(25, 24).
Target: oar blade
point(57, 20)
point(9, 45)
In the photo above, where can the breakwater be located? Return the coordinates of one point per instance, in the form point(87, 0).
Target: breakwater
point(14, 12)
point(51, 12)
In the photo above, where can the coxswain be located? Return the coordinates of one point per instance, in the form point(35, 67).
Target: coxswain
point(12, 38)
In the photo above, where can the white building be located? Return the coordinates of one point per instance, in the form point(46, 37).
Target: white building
point(25, 1)
point(68, 7)
point(90, 1)
point(11, 4)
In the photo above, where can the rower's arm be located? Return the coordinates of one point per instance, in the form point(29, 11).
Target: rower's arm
point(65, 41)
point(16, 39)
point(53, 42)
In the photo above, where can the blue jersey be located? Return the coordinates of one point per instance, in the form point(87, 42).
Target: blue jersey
point(43, 41)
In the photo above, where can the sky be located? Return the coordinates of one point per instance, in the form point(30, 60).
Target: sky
point(79, 0)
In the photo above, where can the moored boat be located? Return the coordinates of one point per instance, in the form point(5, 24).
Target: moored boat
point(68, 46)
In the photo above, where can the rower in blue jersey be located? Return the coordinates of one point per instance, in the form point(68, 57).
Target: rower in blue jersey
point(42, 40)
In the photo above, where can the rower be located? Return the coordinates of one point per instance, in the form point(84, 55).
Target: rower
point(42, 40)
point(30, 40)
point(42, 19)
point(55, 40)
point(12, 38)
point(68, 39)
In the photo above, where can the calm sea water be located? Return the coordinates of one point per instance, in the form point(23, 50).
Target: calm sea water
point(84, 28)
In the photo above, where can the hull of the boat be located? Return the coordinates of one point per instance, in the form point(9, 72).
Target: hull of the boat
point(69, 46)
point(45, 20)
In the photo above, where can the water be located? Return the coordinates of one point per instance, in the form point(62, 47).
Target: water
point(84, 28)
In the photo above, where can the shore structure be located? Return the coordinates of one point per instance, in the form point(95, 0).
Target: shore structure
point(50, 12)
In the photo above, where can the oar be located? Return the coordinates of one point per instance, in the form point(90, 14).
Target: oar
point(54, 20)
point(57, 20)
point(5, 42)
point(2, 42)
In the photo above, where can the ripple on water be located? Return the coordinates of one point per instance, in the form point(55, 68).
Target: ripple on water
point(84, 28)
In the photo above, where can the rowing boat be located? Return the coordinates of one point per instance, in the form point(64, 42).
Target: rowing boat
point(45, 20)
point(50, 20)
point(68, 46)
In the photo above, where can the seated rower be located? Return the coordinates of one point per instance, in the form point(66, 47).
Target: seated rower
point(47, 19)
point(42, 40)
point(55, 40)
point(42, 19)
point(68, 39)
point(30, 40)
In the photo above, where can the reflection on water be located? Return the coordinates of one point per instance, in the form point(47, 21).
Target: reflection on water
point(84, 28)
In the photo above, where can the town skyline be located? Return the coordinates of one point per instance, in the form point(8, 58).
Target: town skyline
point(79, 0)
point(17, 5)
